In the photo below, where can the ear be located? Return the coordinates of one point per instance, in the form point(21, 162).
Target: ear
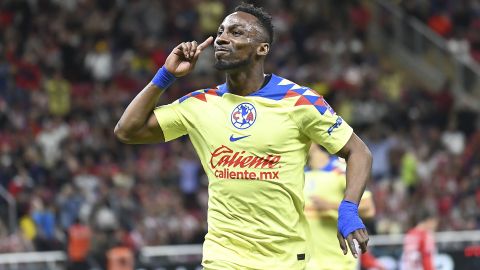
point(263, 49)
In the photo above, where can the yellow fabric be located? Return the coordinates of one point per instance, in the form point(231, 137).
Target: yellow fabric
point(330, 186)
point(58, 92)
point(255, 216)
point(211, 14)
point(28, 227)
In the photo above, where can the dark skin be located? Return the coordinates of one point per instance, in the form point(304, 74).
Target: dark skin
point(241, 46)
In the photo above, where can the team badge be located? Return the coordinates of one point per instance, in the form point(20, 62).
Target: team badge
point(243, 116)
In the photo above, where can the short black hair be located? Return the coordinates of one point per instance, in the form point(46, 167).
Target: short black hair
point(262, 16)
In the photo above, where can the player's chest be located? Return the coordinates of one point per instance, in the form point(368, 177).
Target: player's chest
point(248, 124)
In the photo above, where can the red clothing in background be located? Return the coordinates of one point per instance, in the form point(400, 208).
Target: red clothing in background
point(418, 250)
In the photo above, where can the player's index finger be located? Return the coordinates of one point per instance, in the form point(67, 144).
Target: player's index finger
point(205, 44)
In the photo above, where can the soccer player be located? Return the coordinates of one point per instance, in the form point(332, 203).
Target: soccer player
point(252, 135)
point(324, 189)
point(419, 243)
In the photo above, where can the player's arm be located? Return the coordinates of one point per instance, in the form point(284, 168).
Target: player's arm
point(359, 165)
point(138, 123)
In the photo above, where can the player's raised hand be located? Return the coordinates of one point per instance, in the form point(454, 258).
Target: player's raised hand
point(183, 58)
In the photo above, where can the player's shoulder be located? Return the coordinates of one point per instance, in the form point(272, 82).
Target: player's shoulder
point(292, 94)
point(203, 95)
point(282, 89)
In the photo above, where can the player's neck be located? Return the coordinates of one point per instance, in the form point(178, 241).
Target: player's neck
point(245, 82)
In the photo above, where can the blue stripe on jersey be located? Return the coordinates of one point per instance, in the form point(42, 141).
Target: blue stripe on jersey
point(275, 89)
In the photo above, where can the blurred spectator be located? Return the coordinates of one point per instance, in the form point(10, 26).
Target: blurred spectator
point(210, 15)
point(79, 237)
point(14, 242)
point(189, 172)
point(49, 139)
point(419, 244)
point(440, 23)
point(45, 222)
point(457, 21)
point(69, 201)
point(58, 91)
point(99, 62)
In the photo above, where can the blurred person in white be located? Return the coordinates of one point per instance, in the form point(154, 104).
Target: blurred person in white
point(99, 62)
point(49, 139)
point(419, 243)
point(452, 138)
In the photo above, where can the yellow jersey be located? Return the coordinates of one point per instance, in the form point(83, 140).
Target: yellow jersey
point(253, 149)
point(329, 184)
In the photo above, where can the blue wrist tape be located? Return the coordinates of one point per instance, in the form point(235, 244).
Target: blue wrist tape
point(163, 79)
point(348, 219)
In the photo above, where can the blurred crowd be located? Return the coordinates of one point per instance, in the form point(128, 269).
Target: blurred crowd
point(456, 20)
point(68, 68)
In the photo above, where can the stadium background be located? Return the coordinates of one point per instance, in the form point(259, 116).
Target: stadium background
point(404, 74)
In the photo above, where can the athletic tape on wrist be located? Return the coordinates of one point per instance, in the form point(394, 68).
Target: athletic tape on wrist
point(348, 219)
point(163, 79)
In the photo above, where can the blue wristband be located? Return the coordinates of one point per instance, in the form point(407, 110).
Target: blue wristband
point(163, 79)
point(348, 219)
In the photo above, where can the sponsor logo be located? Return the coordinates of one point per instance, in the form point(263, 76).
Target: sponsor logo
point(231, 164)
point(243, 116)
point(334, 126)
point(234, 139)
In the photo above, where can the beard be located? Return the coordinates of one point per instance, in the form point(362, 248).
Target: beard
point(231, 65)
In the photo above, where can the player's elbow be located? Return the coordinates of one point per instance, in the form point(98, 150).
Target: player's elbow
point(362, 151)
point(367, 154)
point(122, 134)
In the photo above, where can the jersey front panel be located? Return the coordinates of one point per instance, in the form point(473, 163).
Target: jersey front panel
point(253, 150)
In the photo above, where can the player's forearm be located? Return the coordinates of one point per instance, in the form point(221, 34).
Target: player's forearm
point(138, 111)
point(359, 165)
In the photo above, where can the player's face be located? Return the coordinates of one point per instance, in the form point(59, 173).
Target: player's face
point(237, 41)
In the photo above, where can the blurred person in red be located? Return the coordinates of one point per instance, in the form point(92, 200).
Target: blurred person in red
point(79, 236)
point(441, 23)
point(419, 243)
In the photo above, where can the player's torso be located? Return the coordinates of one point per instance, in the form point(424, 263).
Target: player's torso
point(252, 135)
point(253, 154)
